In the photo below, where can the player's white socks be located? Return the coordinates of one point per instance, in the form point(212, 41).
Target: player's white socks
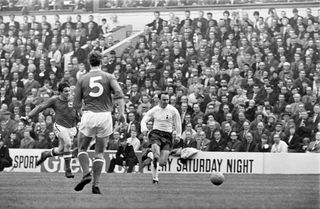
point(84, 162)
point(155, 171)
point(96, 170)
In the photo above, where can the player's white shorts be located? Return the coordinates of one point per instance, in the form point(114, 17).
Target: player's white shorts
point(63, 132)
point(96, 124)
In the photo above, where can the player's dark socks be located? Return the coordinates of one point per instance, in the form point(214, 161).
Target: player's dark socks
point(67, 161)
point(96, 190)
point(69, 174)
point(155, 181)
point(43, 157)
point(85, 180)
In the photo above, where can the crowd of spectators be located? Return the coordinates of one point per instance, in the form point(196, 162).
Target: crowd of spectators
point(181, 3)
point(240, 84)
point(32, 55)
point(46, 5)
point(87, 5)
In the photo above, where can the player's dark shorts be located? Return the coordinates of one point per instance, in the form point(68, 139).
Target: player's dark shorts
point(162, 138)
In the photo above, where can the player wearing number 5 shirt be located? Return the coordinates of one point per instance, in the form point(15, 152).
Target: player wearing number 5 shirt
point(95, 90)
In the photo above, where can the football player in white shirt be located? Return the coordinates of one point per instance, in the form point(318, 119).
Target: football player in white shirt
point(166, 120)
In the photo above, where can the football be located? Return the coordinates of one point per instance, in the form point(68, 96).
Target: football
point(217, 178)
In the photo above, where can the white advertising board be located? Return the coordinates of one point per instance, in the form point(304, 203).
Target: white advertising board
point(24, 160)
point(207, 162)
point(291, 163)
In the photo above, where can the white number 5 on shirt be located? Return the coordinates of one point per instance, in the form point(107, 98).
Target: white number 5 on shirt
point(95, 84)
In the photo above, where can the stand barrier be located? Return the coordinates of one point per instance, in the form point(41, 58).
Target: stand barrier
point(203, 162)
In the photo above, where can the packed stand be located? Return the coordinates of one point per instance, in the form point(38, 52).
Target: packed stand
point(32, 63)
point(46, 5)
point(240, 84)
point(180, 3)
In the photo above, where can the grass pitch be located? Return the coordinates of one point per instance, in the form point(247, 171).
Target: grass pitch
point(53, 190)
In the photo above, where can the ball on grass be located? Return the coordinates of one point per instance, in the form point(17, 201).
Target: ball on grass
point(217, 178)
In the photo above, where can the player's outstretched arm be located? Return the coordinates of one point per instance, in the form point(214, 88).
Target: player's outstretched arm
point(39, 108)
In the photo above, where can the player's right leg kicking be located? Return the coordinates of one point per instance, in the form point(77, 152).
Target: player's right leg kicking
point(65, 143)
point(56, 151)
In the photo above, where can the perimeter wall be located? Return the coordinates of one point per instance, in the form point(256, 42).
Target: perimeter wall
point(203, 162)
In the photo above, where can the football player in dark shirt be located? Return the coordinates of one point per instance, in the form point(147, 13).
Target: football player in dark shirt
point(96, 92)
point(66, 119)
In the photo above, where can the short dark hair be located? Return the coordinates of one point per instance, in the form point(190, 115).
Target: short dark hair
point(95, 58)
point(62, 86)
point(162, 93)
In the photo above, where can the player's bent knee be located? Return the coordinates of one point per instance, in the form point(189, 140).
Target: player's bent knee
point(56, 151)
